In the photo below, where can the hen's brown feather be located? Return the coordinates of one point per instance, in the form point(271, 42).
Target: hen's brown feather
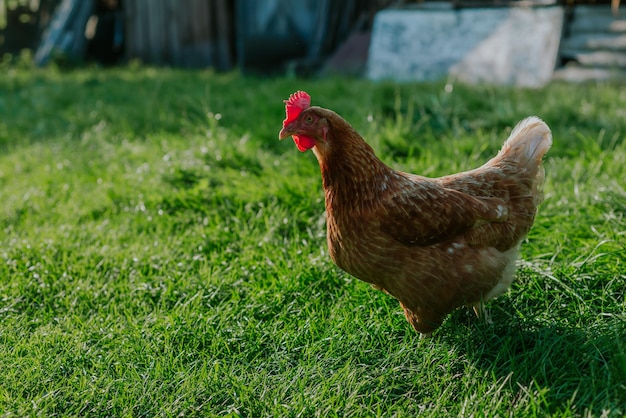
point(450, 213)
point(434, 244)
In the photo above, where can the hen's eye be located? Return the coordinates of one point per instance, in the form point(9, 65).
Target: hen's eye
point(308, 120)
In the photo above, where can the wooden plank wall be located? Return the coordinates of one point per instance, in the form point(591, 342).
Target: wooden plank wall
point(181, 33)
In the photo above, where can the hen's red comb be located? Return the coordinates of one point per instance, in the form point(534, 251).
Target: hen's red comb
point(296, 103)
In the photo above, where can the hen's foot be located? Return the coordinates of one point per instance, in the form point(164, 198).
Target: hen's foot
point(482, 312)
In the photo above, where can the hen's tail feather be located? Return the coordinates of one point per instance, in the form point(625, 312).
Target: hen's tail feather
point(528, 143)
point(524, 149)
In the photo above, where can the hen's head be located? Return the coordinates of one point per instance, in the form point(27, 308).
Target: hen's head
point(303, 122)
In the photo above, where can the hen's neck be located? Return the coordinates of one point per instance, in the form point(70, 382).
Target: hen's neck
point(352, 175)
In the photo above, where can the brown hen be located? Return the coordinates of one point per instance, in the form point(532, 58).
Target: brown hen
point(435, 244)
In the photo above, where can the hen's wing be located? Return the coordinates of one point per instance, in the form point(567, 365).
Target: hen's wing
point(423, 213)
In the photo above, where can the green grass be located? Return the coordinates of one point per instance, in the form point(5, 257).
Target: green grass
point(163, 254)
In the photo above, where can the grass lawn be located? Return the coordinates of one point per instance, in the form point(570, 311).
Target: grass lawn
point(163, 254)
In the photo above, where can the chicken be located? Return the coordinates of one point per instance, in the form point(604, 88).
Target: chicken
point(435, 244)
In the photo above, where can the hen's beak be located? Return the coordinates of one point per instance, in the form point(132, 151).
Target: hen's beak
point(285, 133)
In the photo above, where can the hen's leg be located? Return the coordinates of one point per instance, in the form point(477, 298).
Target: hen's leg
point(482, 312)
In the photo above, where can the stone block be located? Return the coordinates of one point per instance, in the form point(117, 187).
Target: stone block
point(508, 46)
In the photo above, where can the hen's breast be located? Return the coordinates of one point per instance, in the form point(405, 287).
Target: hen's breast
point(437, 278)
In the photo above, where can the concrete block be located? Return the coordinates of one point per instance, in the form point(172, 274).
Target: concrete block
point(508, 46)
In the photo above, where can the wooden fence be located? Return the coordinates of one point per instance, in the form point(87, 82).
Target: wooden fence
point(182, 33)
point(187, 33)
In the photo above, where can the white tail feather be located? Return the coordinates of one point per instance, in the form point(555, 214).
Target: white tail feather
point(529, 141)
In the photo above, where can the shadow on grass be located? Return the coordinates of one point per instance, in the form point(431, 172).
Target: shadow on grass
point(561, 367)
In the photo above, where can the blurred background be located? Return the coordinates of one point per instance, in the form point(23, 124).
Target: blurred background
point(272, 36)
point(256, 35)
